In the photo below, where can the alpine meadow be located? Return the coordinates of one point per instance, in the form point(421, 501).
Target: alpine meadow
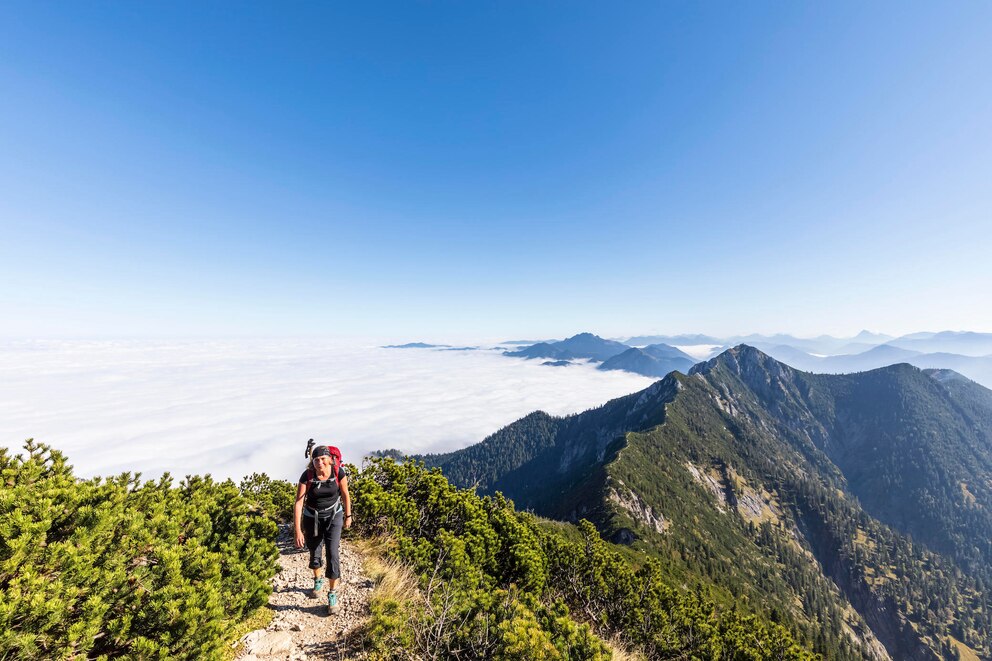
point(495, 331)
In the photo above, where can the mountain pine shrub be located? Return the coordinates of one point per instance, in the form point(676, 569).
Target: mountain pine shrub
point(113, 567)
point(273, 498)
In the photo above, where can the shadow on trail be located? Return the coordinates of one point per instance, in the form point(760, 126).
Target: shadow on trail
point(349, 646)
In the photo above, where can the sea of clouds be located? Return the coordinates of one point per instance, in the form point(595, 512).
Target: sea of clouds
point(231, 408)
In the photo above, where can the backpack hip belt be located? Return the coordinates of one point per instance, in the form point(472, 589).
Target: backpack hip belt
point(326, 513)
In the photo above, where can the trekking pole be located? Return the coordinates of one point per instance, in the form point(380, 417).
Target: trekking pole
point(310, 445)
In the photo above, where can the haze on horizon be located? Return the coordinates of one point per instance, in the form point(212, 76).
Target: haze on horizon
point(422, 171)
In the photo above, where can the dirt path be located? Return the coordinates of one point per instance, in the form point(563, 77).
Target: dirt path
point(301, 627)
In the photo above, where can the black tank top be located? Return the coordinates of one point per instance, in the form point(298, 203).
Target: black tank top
point(321, 494)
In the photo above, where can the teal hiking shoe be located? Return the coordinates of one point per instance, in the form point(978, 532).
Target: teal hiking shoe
point(318, 585)
point(332, 603)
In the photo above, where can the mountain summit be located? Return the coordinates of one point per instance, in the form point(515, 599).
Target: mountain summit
point(583, 345)
point(652, 360)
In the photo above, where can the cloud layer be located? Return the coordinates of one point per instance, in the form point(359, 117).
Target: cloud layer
point(231, 408)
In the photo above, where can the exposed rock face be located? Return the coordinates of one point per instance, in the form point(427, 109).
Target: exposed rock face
point(751, 506)
point(734, 493)
point(711, 483)
point(639, 511)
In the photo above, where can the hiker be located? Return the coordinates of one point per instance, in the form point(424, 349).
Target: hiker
point(323, 507)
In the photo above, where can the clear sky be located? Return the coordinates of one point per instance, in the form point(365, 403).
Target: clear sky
point(427, 169)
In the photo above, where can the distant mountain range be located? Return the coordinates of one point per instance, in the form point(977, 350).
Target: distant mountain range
point(415, 345)
point(423, 345)
point(527, 342)
point(976, 368)
point(855, 508)
point(964, 343)
point(968, 344)
point(674, 340)
point(653, 360)
point(656, 355)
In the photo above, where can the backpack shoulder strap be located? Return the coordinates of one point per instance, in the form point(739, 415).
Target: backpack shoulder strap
point(310, 477)
point(337, 472)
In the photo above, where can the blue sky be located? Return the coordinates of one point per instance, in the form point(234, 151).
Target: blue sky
point(438, 169)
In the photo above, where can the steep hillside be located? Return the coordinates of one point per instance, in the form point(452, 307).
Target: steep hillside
point(892, 440)
point(540, 458)
point(764, 480)
point(500, 584)
point(907, 448)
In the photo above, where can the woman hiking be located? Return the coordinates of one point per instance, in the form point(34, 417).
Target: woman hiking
point(323, 508)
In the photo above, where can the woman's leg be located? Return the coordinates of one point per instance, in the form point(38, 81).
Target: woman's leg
point(332, 545)
point(332, 542)
point(313, 543)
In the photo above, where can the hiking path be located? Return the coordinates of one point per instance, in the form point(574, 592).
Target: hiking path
point(301, 628)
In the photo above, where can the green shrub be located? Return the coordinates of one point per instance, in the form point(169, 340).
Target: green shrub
point(114, 567)
point(273, 498)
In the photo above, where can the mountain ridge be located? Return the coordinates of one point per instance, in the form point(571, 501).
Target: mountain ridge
point(731, 416)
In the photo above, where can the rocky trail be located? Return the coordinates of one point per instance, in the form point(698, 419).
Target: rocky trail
point(301, 628)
